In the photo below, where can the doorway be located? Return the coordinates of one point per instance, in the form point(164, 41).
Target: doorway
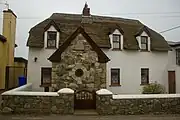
point(172, 82)
point(85, 99)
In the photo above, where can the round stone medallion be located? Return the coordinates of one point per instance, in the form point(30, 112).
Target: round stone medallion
point(79, 72)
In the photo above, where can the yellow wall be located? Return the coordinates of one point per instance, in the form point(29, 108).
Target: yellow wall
point(3, 58)
point(9, 31)
point(7, 48)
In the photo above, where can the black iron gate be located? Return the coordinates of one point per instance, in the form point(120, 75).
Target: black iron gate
point(85, 99)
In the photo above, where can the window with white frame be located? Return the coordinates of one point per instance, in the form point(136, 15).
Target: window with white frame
point(115, 76)
point(144, 42)
point(51, 39)
point(144, 76)
point(46, 76)
point(116, 41)
point(178, 56)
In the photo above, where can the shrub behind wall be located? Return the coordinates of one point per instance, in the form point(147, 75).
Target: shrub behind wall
point(153, 88)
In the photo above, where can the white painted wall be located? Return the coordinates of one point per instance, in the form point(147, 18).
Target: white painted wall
point(34, 68)
point(130, 64)
point(42, 54)
point(173, 67)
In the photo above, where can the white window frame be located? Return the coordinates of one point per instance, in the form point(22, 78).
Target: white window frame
point(144, 34)
point(116, 42)
point(53, 29)
point(116, 32)
point(119, 77)
point(147, 81)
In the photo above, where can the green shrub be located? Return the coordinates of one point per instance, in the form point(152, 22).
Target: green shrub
point(153, 88)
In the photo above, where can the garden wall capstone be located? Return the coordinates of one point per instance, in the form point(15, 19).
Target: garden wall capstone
point(109, 104)
point(61, 102)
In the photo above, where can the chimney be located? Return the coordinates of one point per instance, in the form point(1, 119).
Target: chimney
point(9, 31)
point(86, 16)
point(86, 10)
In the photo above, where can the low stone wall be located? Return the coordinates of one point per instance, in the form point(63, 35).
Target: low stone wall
point(108, 104)
point(61, 102)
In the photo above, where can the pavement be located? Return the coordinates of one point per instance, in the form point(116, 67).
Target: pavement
point(73, 117)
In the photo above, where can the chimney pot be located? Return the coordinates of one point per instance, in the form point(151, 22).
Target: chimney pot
point(86, 10)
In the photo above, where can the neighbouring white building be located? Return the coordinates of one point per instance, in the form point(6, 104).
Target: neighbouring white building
point(174, 67)
point(84, 51)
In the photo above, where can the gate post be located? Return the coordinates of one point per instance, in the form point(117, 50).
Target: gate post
point(65, 101)
point(103, 102)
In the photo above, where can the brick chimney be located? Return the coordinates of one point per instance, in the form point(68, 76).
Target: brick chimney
point(86, 16)
point(86, 10)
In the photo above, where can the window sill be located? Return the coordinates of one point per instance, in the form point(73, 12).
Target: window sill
point(50, 48)
point(45, 85)
point(114, 85)
point(144, 84)
point(116, 49)
point(144, 50)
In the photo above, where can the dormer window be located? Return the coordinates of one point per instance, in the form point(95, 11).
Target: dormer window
point(144, 42)
point(116, 41)
point(51, 39)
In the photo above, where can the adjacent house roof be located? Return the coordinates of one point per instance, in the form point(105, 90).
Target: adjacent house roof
point(2, 38)
point(98, 30)
point(21, 60)
point(55, 57)
point(174, 44)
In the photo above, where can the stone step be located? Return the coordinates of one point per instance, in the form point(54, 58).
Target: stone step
point(86, 112)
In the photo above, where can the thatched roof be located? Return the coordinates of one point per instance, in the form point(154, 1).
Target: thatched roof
point(99, 30)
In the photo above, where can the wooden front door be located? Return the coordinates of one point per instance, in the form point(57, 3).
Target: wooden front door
point(172, 82)
point(85, 99)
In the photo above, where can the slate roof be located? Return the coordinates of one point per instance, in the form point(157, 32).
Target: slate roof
point(102, 58)
point(98, 30)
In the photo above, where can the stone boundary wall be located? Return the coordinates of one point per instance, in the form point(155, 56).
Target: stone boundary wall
point(15, 101)
point(109, 104)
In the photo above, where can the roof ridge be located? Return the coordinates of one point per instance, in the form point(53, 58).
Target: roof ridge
point(98, 16)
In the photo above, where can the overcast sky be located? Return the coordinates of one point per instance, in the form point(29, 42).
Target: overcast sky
point(156, 14)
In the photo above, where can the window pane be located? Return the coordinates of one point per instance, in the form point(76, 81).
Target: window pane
point(115, 76)
point(144, 39)
point(116, 45)
point(116, 38)
point(144, 76)
point(178, 53)
point(51, 43)
point(144, 46)
point(51, 35)
point(46, 76)
point(178, 56)
point(51, 39)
